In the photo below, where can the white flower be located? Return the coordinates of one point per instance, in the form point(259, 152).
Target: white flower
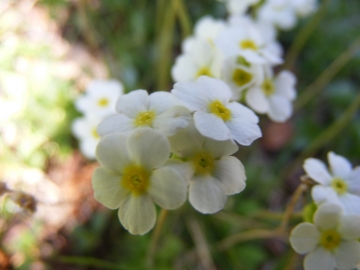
point(341, 186)
point(331, 243)
point(214, 115)
point(138, 109)
point(84, 129)
point(100, 98)
point(239, 7)
point(244, 38)
point(210, 170)
point(132, 177)
point(201, 59)
point(304, 8)
point(273, 96)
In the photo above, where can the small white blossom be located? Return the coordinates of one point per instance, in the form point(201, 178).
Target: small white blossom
point(215, 115)
point(304, 8)
point(132, 177)
point(138, 109)
point(341, 186)
point(331, 243)
point(239, 7)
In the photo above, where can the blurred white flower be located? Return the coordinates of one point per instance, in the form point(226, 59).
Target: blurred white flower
point(132, 177)
point(201, 59)
point(331, 243)
point(84, 129)
point(210, 170)
point(100, 98)
point(138, 109)
point(273, 96)
point(304, 8)
point(341, 186)
point(239, 7)
point(214, 115)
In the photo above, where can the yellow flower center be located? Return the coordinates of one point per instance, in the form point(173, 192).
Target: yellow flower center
point(268, 87)
point(242, 61)
point(136, 179)
point(203, 162)
point(95, 134)
point(103, 102)
point(330, 239)
point(241, 77)
point(248, 44)
point(217, 108)
point(204, 71)
point(339, 185)
point(144, 119)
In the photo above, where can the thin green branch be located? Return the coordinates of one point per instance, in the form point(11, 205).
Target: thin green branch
point(183, 17)
point(88, 261)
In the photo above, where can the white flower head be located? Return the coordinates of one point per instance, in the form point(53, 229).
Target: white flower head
point(239, 7)
point(331, 242)
point(339, 186)
point(100, 98)
point(84, 129)
point(215, 116)
point(138, 109)
point(210, 170)
point(304, 8)
point(132, 177)
point(273, 96)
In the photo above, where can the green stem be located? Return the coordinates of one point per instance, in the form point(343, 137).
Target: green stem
point(87, 261)
point(183, 17)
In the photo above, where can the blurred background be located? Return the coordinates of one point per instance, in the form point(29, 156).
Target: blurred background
point(49, 52)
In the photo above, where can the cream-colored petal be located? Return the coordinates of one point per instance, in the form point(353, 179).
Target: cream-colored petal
point(327, 216)
point(107, 188)
point(133, 103)
point(137, 214)
point(185, 169)
point(167, 188)
point(212, 126)
point(115, 123)
point(347, 256)
point(317, 170)
point(257, 100)
point(350, 227)
point(304, 237)
point(339, 165)
point(172, 120)
point(322, 194)
point(319, 259)
point(220, 148)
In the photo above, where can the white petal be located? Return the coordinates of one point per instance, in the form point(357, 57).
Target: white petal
point(244, 131)
point(184, 69)
point(112, 153)
point(171, 120)
point(350, 227)
point(192, 95)
point(231, 174)
point(211, 126)
point(148, 148)
point(137, 214)
point(115, 123)
point(327, 216)
point(319, 259)
point(206, 194)
point(317, 170)
point(184, 169)
point(252, 57)
point(240, 111)
point(322, 194)
point(167, 188)
point(216, 89)
point(280, 108)
point(353, 181)
point(339, 165)
point(161, 101)
point(107, 188)
point(88, 147)
point(257, 100)
point(133, 103)
point(350, 203)
point(220, 148)
point(347, 256)
point(304, 237)
point(285, 84)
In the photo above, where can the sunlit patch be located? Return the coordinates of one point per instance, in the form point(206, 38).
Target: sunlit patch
point(268, 87)
point(95, 134)
point(217, 108)
point(103, 102)
point(330, 239)
point(136, 179)
point(203, 162)
point(248, 44)
point(339, 185)
point(204, 71)
point(240, 77)
point(144, 119)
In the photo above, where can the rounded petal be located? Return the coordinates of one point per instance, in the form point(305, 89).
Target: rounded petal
point(173, 119)
point(350, 203)
point(319, 259)
point(280, 108)
point(212, 126)
point(112, 154)
point(206, 194)
point(137, 214)
point(353, 181)
point(220, 148)
point(240, 111)
point(133, 103)
point(88, 147)
point(339, 165)
point(243, 131)
point(231, 174)
point(304, 237)
point(321, 194)
point(160, 101)
point(327, 216)
point(285, 84)
point(184, 169)
point(317, 170)
point(115, 123)
point(148, 147)
point(349, 227)
point(107, 188)
point(167, 188)
point(184, 69)
point(215, 89)
point(347, 256)
point(256, 99)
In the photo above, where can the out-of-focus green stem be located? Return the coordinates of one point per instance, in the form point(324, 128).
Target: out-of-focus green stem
point(183, 17)
point(303, 36)
point(88, 261)
point(315, 88)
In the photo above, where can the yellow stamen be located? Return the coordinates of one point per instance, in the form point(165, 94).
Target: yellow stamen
point(330, 239)
point(241, 77)
point(95, 134)
point(144, 119)
point(204, 71)
point(248, 44)
point(339, 185)
point(103, 102)
point(136, 179)
point(203, 162)
point(268, 87)
point(217, 108)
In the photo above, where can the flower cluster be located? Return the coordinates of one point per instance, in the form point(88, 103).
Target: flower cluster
point(97, 103)
point(158, 146)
